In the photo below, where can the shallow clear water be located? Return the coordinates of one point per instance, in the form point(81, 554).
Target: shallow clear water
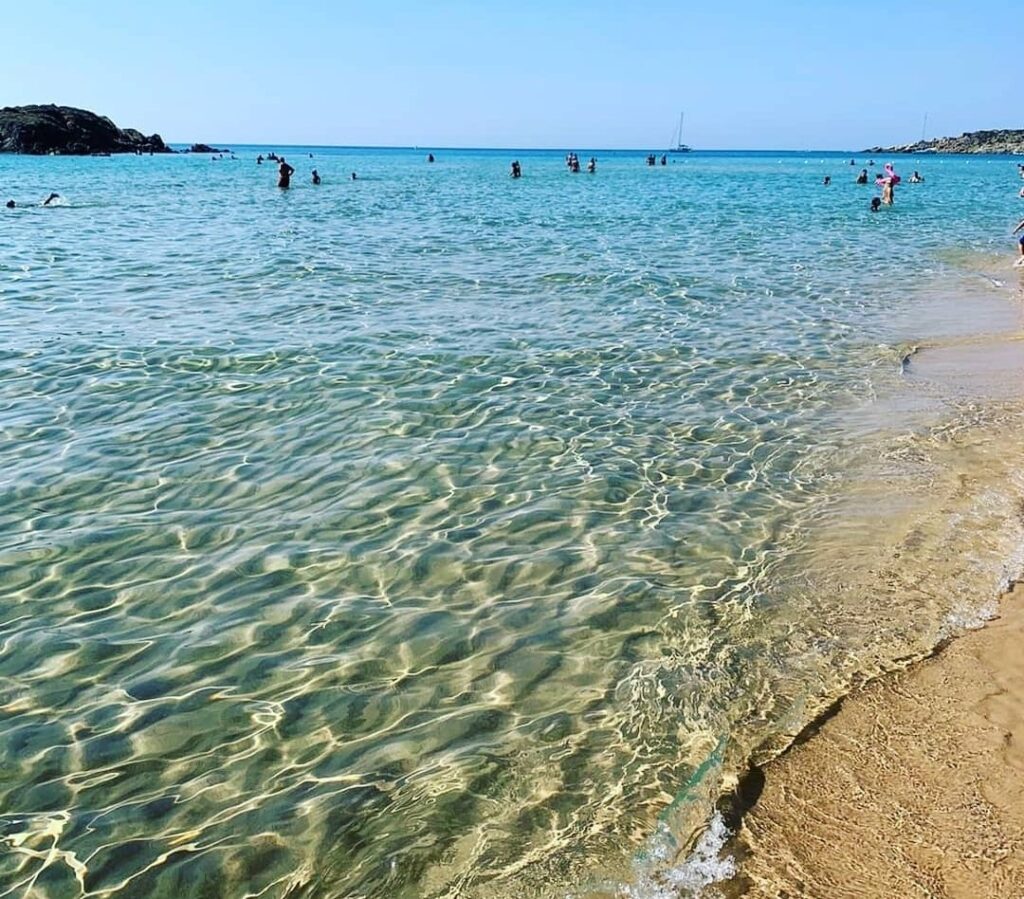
point(436, 534)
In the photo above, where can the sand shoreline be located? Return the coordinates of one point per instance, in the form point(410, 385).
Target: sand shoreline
point(911, 786)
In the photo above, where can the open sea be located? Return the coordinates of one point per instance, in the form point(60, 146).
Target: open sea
point(437, 534)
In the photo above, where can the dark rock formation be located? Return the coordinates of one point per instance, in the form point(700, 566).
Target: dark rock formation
point(204, 148)
point(64, 130)
point(1002, 142)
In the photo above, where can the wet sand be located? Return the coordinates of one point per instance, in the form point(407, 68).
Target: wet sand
point(915, 787)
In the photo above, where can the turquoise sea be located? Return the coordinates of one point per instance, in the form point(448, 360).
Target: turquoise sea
point(436, 534)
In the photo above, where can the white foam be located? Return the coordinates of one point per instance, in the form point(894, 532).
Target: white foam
point(703, 867)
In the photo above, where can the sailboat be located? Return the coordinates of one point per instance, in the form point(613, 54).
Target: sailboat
point(680, 147)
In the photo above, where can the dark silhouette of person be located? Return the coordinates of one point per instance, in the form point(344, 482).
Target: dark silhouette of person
point(10, 204)
point(430, 157)
point(316, 176)
point(353, 176)
point(876, 204)
point(664, 160)
point(516, 171)
point(862, 178)
point(284, 174)
point(51, 198)
point(259, 159)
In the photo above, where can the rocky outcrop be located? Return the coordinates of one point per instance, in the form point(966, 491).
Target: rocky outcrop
point(204, 148)
point(1000, 142)
point(66, 131)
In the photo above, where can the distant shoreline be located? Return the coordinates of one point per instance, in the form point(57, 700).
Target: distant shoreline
point(1003, 142)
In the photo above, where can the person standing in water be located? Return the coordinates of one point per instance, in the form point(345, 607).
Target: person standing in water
point(284, 174)
point(316, 176)
point(862, 178)
point(1020, 243)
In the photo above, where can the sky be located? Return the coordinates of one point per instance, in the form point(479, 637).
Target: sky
point(523, 73)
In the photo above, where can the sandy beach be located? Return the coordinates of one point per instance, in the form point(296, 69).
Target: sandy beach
point(912, 785)
point(914, 788)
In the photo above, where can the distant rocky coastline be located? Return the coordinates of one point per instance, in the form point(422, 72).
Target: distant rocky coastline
point(1007, 142)
point(66, 131)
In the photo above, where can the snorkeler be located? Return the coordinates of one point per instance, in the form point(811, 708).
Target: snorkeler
point(284, 173)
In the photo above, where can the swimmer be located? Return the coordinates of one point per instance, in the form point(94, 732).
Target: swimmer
point(862, 178)
point(50, 199)
point(592, 166)
point(10, 204)
point(430, 157)
point(876, 204)
point(316, 176)
point(259, 159)
point(516, 170)
point(284, 172)
point(353, 176)
point(827, 181)
point(1021, 194)
point(664, 159)
point(1020, 243)
point(916, 178)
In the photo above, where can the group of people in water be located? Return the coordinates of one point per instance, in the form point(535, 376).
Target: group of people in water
point(572, 163)
point(285, 170)
point(886, 181)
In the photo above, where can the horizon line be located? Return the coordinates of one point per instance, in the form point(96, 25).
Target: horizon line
point(556, 148)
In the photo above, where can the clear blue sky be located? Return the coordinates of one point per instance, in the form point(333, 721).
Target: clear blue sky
point(523, 73)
